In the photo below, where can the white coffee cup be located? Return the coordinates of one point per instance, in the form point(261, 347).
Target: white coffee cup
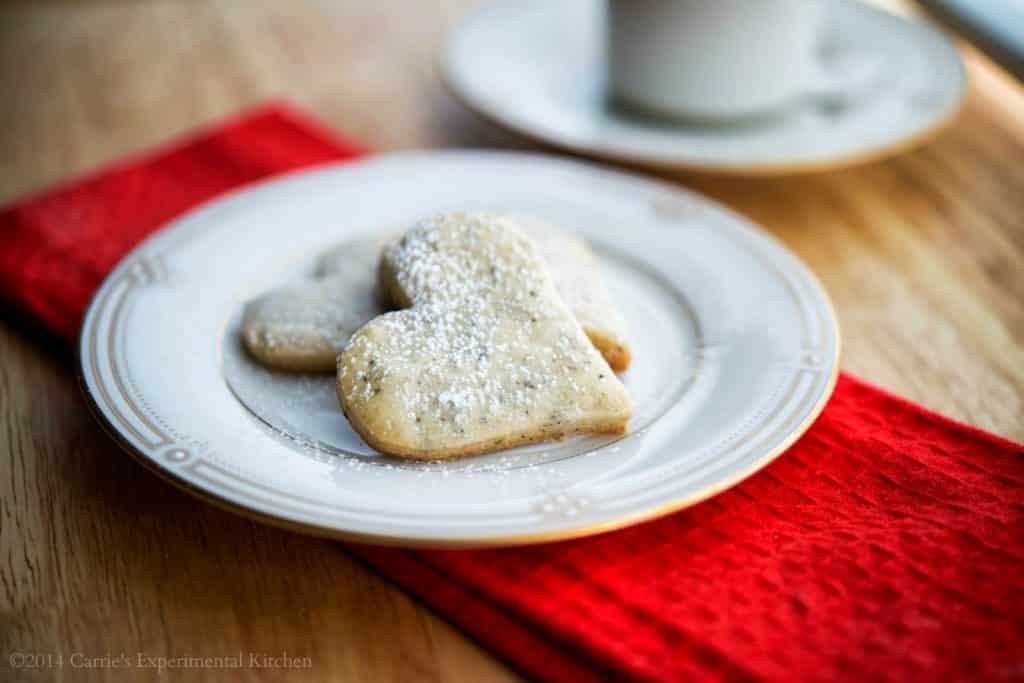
point(714, 59)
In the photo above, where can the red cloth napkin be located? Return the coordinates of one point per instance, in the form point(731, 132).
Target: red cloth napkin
point(888, 543)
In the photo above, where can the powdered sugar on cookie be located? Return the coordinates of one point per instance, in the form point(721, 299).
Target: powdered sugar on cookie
point(577, 276)
point(301, 327)
point(484, 355)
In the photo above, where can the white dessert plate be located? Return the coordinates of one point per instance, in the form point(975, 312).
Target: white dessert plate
point(537, 68)
point(735, 352)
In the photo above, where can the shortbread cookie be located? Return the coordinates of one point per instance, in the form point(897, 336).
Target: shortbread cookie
point(301, 328)
point(485, 354)
point(577, 276)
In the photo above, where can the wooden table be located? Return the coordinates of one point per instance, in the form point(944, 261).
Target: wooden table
point(923, 256)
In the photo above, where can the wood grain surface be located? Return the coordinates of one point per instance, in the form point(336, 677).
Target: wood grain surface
point(923, 256)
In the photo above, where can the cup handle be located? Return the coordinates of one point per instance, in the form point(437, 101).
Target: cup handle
point(839, 81)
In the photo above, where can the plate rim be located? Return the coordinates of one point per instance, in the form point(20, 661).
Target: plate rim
point(488, 112)
point(324, 530)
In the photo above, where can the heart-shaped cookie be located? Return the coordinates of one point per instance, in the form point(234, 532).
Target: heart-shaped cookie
point(484, 354)
point(301, 328)
point(578, 279)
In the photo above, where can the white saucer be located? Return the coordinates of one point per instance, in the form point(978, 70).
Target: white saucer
point(735, 353)
point(535, 66)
